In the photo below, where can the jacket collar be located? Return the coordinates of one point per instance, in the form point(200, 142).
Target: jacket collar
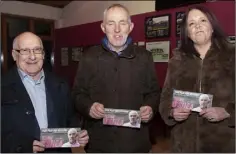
point(128, 51)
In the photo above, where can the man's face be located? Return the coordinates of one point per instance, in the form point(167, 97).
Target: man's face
point(133, 118)
point(31, 63)
point(203, 102)
point(117, 27)
point(72, 136)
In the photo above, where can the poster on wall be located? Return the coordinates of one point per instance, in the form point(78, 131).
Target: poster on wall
point(157, 26)
point(76, 53)
point(160, 50)
point(64, 56)
point(179, 17)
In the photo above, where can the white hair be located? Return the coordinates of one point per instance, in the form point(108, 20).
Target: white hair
point(72, 130)
point(133, 113)
point(204, 96)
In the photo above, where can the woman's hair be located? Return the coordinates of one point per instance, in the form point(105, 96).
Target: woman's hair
point(219, 39)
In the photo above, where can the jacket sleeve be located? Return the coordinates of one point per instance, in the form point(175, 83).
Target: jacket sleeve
point(81, 90)
point(167, 92)
point(152, 89)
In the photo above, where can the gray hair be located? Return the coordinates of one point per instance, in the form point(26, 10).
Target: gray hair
point(204, 96)
point(117, 6)
point(133, 113)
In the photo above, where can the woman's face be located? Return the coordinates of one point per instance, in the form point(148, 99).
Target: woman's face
point(199, 28)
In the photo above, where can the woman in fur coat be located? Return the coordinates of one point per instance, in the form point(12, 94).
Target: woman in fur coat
point(204, 63)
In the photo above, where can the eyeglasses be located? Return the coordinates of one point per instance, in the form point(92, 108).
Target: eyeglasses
point(27, 51)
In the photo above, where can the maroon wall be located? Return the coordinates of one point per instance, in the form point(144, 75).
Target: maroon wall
point(91, 34)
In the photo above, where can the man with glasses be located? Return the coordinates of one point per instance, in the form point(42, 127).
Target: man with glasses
point(33, 98)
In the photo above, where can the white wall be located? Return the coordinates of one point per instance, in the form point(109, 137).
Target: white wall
point(30, 9)
point(82, 12)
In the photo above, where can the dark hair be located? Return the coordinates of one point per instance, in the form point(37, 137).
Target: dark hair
point(219, 39)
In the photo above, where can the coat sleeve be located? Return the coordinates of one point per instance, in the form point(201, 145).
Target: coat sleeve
point(167, 91)
point(152, 89)
point(82, 86)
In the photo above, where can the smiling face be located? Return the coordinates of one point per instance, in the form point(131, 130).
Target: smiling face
point(32, 63)
point(199, 28)
point(117, 26)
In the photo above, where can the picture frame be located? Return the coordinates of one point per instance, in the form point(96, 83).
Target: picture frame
point(160, 50)
point(76, 53)
point(157, 26)
point(178, 19)
point(64, 56)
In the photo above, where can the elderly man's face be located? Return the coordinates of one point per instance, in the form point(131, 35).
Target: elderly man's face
point(72, 136)
point(203, 102)
point(32, 63)
point(133, 118)
point(117, 27)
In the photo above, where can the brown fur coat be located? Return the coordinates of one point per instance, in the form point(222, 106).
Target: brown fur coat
point(217, 75)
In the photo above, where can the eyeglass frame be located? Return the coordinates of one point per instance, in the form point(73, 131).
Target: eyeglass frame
point(29, 50)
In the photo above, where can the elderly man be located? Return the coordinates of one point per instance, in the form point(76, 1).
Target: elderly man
point(116, 75)
point(32, 98)
point(133, 120)
point(72, 136)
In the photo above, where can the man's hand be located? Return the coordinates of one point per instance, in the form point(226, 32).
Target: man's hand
point(97, 111)
point(180, 114)
point(83, 137)
point(214, 114)
point(38, 146)
point(146, 113)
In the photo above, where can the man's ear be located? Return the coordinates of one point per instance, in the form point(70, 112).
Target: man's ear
point(13, 53)
point(103, 27)
point(131, 27)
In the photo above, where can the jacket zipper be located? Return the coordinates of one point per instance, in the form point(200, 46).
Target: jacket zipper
point(200, 90)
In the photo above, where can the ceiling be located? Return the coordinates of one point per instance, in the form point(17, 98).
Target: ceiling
point(58, 4)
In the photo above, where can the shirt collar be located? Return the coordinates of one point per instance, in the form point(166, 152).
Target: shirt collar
point(24, 76)
point(107, 45)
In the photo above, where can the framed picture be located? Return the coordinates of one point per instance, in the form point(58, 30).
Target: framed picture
point(157, 26)
point(160, 50)
point(64, 56)
point(179, 17)
point(76, 53)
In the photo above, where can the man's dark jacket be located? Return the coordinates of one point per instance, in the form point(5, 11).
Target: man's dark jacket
point(127, 81)
point(19, 126)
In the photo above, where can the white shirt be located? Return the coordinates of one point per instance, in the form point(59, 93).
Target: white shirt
point(197, 109)
point(68, 144)
point(128, 124)
point(37, 94)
